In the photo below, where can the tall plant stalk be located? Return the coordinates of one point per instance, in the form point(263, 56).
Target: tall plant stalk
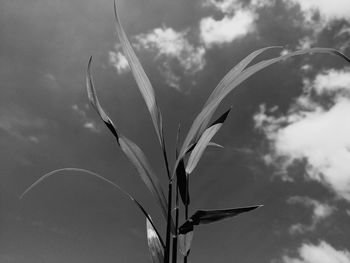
point(175, 235)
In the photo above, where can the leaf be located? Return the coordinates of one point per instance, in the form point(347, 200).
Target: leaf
point(232, 79)
point(45, 176)
point(155, 246)
point(137, 157)
point(185, 242)
point(95, 102)
point(211, 216)
point(181, 176)
point(200, 123)
point(214, 144)
point(131, 150)
point(203, 142)
point(141, 78)
point(191, 147)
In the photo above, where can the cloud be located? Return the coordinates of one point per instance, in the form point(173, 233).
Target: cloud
point(228, 29)
point(86, 122)
point(21, 125)
point(175, 52)
point(118, 60)
point(336, 9)
point(319, 213)
point(316, 130)
point(174, 45)
point(332, 81)
point(321, 253)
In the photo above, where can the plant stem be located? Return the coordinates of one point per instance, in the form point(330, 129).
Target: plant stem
point(168, 225)
point(186, 206)
point(175, 235)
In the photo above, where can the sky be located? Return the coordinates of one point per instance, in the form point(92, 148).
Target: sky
point(286, 141)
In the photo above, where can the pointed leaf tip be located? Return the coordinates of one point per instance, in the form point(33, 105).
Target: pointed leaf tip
point(92, 95)
point(141, 78)
point(210, 216)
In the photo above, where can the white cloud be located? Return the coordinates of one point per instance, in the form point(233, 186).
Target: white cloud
point(319, 213)
point(332, 81)
point(321, 253)
point(118, 60)
point(228, 29)
point(314, 133)
point(172, 44)
point(335, 9)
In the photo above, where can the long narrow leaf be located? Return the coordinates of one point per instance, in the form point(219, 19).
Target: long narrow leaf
point(95, 102)
point(131, 150)
point(211, 216)
point(155, 246)
point(141, 78)
point(137, 157)
point(235, 79)
point(45, 176)
point(203, 142)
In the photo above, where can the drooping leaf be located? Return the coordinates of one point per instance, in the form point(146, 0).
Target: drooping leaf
point(131, 150)
point(203, 142)
point(185, 242)
point(154, 245)
point(95, 102)
point(45, 176)
point(232, 80)
point(211, 216)
point(141, 78)
point(137, 157)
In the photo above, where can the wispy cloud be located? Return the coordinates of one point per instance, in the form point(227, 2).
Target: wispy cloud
point(321, 253)
point(320, 211)
point(316, 130)
point(174, 45)
point(84, 120)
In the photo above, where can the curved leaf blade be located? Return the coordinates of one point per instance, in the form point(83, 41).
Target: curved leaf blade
point(92, 95)
point(141, 78)
point(203, 142)
point(154, 245)
point(47, 175)
point(210, 216)
point(131, 150)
